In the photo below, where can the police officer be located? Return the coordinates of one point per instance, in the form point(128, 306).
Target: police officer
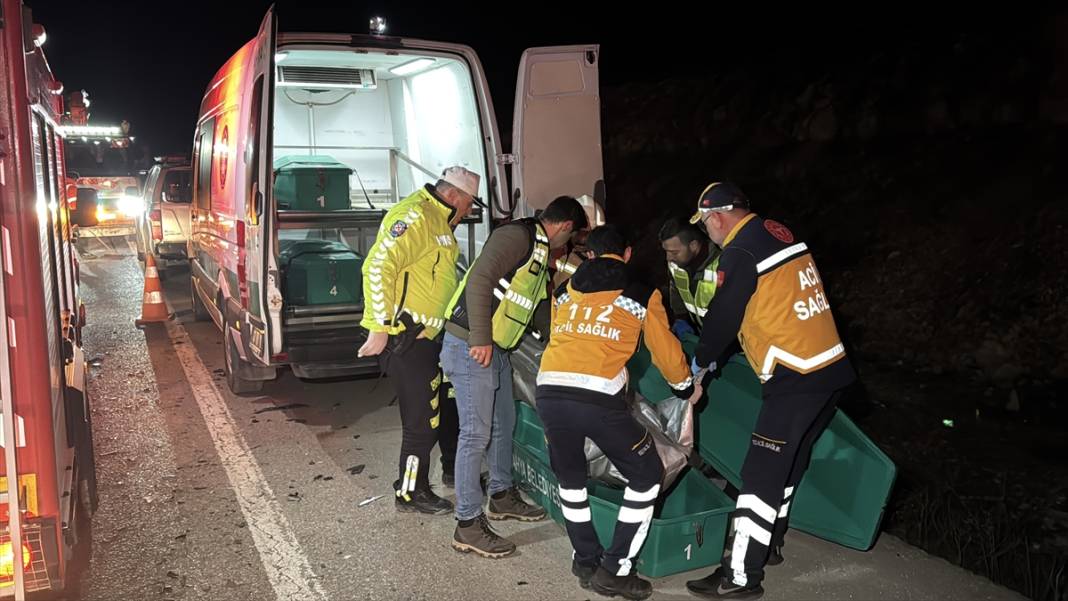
point(771, 297)
point(692, 262)
point(408, 278)
point(598, 319)
point(489, 314)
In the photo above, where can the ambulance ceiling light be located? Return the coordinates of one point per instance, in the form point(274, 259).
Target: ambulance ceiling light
point(412, 66)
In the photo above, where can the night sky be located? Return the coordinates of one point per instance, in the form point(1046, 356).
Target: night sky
point(150, 66)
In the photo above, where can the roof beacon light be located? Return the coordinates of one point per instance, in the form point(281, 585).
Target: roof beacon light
point(378, 26)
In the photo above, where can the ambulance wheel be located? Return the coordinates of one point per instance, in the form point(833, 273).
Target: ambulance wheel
point(237, 384)
point(200, 312)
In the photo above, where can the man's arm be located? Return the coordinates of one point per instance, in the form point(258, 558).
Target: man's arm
point(737, 274)
point(665, 349)
point(505, 248)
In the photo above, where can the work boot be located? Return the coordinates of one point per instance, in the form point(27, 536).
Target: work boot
point(629, 587)
point(476, 536)
point(423, 501)
point(775, 556)
point(508, 504)
point(583, 573)
point(718, 586)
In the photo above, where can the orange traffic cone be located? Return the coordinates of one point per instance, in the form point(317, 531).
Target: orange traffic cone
point(153, 308)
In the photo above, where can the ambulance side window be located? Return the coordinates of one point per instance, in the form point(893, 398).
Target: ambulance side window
point(203, 179)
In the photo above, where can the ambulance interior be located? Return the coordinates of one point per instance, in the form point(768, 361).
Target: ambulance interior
point(396, 120)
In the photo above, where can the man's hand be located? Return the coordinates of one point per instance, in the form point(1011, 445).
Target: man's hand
point(698, 392)
point(376, 342)
point(482, 354)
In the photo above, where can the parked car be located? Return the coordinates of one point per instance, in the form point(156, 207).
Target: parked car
point(163, 226)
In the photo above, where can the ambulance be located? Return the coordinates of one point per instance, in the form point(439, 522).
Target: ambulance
point(304, 140)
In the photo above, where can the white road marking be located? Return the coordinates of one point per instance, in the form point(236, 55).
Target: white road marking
point(288, 569)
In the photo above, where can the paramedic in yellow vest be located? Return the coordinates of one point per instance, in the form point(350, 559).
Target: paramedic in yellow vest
point(773, 299)
point(489, 315)
point(409, 277)
point(598, 319)
point(692, 262)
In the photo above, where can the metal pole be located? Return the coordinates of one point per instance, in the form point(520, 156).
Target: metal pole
point(10, 443)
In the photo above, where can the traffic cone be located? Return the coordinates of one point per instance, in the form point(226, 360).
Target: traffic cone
point(153, 309)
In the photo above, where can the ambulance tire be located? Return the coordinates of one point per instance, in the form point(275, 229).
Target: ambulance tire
point(237, 384)
point(200, 312)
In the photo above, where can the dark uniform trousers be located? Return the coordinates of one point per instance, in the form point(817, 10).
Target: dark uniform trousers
point(449, 428)
point(779, 453)
point(416, 377)
point(629, 447)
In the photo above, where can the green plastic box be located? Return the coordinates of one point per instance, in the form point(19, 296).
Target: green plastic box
point(687, 531)
point(311, 183)
point(844, 492)
point(320, 272)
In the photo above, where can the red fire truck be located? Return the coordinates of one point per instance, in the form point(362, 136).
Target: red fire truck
point(46, 435)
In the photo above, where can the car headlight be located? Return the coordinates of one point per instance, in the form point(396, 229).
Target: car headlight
point(131, 206)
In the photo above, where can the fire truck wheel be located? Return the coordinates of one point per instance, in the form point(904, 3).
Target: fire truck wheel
point(200, 312)
point(237, 384)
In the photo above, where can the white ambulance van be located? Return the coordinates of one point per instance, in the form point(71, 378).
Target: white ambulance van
point(304, 140)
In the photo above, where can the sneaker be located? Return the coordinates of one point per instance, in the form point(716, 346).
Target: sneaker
point(508, 504)
point(629, 587)
point(775, 556)
point(480, 539)
point(718, 586)
point(583, 573)
point(423, 501)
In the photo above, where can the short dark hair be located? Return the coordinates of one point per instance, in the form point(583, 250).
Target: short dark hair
point(607, 240)
point(685, 231)
point(565, 208)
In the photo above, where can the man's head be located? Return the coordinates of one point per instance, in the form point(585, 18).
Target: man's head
point(608, 240)
point(562, 218)
point(720, 207)
point(458, 187)
point(682, 242)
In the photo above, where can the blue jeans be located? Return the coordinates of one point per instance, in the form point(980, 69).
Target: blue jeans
point(486, 406)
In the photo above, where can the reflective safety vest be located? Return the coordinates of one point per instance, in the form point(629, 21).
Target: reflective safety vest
point(696, 302)
point(518, 293)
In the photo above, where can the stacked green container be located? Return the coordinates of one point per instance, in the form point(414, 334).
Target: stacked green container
point(848, 482)
point(311, 183)
point(320, 272)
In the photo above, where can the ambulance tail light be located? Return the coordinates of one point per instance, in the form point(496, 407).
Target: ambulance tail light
point(242, 275)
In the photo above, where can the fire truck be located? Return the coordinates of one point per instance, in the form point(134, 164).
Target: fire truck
point(48, 484)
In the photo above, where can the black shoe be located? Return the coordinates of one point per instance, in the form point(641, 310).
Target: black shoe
point(583, 573)
point(718, 586)
point(775, 556)
point(448, 479)
point(629, 587)
point(423, 501)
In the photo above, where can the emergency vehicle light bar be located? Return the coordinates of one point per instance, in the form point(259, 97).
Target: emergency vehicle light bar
point(97, 131)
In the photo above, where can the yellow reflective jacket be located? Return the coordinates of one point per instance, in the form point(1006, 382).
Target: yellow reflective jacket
point(411, 268)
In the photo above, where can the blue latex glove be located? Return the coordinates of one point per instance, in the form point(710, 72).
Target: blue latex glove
point(681, 327)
